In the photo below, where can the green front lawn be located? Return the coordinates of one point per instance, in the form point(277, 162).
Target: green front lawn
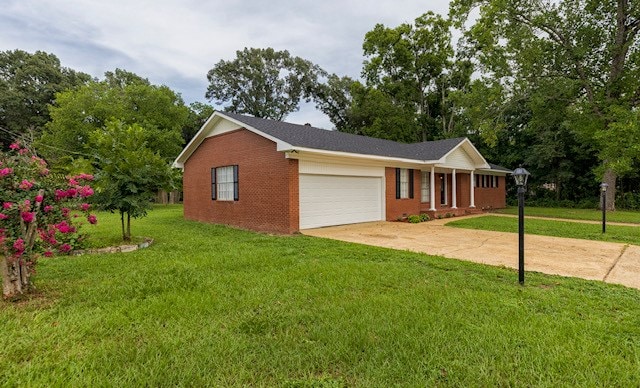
point(208, 305)
point(568, 229)
point(632, 217)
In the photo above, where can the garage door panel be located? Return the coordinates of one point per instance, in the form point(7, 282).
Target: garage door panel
point(334, 200)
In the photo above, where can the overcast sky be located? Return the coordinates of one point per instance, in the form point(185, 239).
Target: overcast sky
point(176, 42)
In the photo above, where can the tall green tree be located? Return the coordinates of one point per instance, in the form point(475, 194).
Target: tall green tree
point(28, 83)
point(263, 82)
point(413, 64)
point(590, 46)
point(333, 98)
point(124, 96)
point(129, 171)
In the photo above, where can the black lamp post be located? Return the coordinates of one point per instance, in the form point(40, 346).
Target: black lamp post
point(603, 190)
point(521, 175)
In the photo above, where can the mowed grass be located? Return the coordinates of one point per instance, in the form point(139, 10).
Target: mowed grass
point(632, 217)
point(568, 229)
point(209, 305)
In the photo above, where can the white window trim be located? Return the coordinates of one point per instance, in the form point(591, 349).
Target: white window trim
point(224, 183)
point(404, 183)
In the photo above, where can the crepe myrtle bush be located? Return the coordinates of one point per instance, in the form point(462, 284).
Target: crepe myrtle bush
point(40, 215)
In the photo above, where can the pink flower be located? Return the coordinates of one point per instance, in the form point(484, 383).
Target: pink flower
point(44, 172)
point(25, 185)
point(14, 146)
point(48, 253)
point(23, 151)
point(7, 205)
point(28, 216)
point(65, 248)
point(3, 216)
point(92, 219)
point(60, 194)
point(64, 227)
point(38, 160)
point(39, 198)
point(85, 191)
point(72, 192)
point(65, 212)
point(48, 208)
point(85, 206)
point(6, 171)
point(73, 182)
point(19, 245)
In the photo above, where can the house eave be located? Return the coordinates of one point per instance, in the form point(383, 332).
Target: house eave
point(292, 151)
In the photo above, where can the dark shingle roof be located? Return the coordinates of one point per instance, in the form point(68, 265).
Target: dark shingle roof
point(316, 138)
point(499, 168)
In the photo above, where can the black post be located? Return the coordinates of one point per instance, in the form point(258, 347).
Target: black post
point(521, 234)
point(604, 211)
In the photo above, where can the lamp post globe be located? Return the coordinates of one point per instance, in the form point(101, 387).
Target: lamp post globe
point(521, 176)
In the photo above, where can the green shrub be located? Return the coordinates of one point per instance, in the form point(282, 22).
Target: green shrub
point(448, 215)
point(414, 219)
point(424, 217)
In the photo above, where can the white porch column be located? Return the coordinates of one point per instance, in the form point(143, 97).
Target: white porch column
point(432, 188)
point(454, 190)
point(473, 194)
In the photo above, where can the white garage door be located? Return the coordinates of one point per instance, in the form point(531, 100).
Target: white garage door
point(336, 200)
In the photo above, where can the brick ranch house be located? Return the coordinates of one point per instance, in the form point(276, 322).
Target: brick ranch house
point(279, 177)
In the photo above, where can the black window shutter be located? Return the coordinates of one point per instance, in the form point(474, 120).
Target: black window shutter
point(411, 183)
point(236, 187)
point(397, 183)
point(213, 184)
point(497, 181)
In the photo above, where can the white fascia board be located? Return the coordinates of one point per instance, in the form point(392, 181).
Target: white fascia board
point(353, 155)
point(475, 154)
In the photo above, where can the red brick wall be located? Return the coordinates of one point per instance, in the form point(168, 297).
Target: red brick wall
point(397, 208)
point(464, 189)
point(491, 197)
point(268, 184)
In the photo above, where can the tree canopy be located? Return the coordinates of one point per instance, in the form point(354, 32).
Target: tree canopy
point(587, 48)
point(124, 96)
point(263, 82)
point(28, 83)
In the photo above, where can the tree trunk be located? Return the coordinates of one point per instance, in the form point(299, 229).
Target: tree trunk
point(124, 235)
point(161, 197)
point(15, 277)
point(610, 179)
point(128, 227)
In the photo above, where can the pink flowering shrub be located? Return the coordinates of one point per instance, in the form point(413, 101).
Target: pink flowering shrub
point(37, 213)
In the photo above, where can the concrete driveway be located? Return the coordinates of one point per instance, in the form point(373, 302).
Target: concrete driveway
point(609, 262)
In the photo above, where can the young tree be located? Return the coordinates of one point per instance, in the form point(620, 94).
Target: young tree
point(263, 82)
point(36, 215)
point(129, 172)
point(28, 83)
point(589, 45)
